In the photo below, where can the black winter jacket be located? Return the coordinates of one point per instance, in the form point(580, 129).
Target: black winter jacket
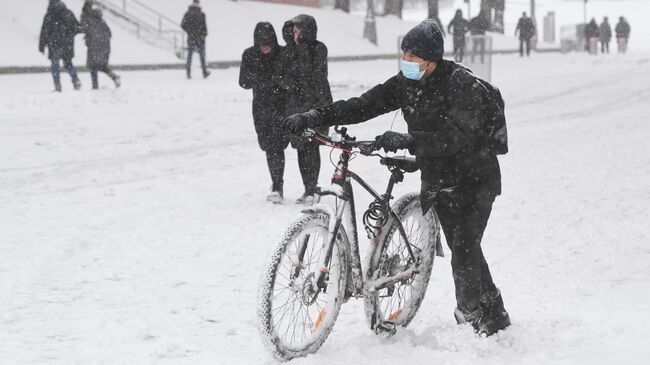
point(444, 115)
point(195, 26)
point(98, 39)
point(58, 31)
point(479, 25)
point(460, 27)
point(256, 73)
point(622, 29)
point(526, 28)
point(302, 68)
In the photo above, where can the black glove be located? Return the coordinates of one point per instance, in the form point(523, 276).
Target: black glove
point(297, 123)
point(393, 141)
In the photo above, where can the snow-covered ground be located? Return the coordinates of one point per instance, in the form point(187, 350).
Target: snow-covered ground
point(134, 226)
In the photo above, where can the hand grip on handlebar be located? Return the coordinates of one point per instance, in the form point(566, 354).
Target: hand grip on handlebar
point(367, 148)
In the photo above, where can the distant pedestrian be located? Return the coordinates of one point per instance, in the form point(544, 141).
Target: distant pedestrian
point(605, 35)
point(98, 41)
point(592, 35)
point(526, 30)
point(302, 74)
point(57, 34)
point(622, 34)
point(460, 27)
point(256, 73)
point(477, 28)
point(195, 25)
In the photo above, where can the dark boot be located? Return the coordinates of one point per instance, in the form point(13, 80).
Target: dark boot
point(490, 318)
point(495, 317)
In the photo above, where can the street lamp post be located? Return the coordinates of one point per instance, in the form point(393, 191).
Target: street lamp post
point(370, 25)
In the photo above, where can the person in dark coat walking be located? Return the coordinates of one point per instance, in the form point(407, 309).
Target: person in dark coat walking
point(301, 73)
point(195, 25)
point(98, 41)
point(256, 73)
point(57, 34)
point(442, 103)
point(477, 28)
point(526, 30)
point(622, 34)
point(605, 35)
point(592, 35)
point(460, 27)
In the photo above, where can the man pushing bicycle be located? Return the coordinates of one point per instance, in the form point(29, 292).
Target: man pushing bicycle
point(456, 129)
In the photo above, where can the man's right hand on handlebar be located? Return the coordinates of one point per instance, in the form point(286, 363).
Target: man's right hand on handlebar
point(297, 123)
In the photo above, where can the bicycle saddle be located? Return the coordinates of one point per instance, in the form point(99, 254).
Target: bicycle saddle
point(404, 163)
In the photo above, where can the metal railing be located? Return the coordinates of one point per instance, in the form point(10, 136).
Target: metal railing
point(149, 24)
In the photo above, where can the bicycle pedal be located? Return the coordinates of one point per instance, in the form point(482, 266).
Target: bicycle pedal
point(385, 329)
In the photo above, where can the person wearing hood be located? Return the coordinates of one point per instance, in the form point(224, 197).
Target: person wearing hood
point(526, 30)
point(605, 35)
point(256, 73)
point(592, 34)
point(301, 74)
point(477, 28)
point(98, 41)
point(622, 34)
point(57, 34)
point(460, 27)
point(197, 30)
point(444, 105)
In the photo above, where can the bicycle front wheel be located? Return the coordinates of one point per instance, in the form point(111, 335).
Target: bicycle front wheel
point(398, 302)
point(295, 313)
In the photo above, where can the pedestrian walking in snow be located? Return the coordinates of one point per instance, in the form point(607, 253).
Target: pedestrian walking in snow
point(301, 74)
point(622, 34)
point(450, 133)
point(57, 34)
point(526, 30)
point(592, 36)
point(256, 73)
point(98, 41)
point(458, 26)
point(477, 28)
point(605, 35)
point(197, 30)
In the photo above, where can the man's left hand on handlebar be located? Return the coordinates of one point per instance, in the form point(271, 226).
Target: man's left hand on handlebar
point(392, 141)
point(297, 123)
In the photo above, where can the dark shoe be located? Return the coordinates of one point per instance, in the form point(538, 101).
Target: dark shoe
point(76, 84)
point(495, 317)
point(118, 81)
point(206, 73)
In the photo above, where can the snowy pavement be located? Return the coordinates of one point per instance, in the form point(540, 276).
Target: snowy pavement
point(134, 226)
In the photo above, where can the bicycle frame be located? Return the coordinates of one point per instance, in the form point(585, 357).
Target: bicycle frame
point(342, 189)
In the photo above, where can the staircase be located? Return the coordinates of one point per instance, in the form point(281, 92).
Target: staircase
point(146, 23)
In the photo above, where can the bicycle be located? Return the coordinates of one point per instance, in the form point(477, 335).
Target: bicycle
point(316, 266)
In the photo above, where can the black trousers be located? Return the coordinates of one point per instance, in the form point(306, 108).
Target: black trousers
point(309, 164)
point(275, 162)
point(463, 226)
point(459, 48)
point(524, 42)
point(604, 46)
point(105, 69)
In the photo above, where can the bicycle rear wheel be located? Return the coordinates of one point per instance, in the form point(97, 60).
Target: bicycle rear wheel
point(397, 303)
point(295, 315)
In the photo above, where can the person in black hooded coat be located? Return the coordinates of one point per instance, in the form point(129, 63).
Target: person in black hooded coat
point(302, 74)
point(460, 27)
point(256, 73)
point(98, 41)
point(443, 105)
point(57, 34)
point(197, 30)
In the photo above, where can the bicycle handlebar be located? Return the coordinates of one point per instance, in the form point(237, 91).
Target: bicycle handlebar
point(343, 141)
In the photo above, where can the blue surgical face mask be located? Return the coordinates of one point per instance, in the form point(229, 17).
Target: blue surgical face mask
point(411, 70)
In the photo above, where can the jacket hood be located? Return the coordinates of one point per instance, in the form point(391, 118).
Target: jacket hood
point(265, 35)
point(459, 14)
point(307, 25)
point(287, 33)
